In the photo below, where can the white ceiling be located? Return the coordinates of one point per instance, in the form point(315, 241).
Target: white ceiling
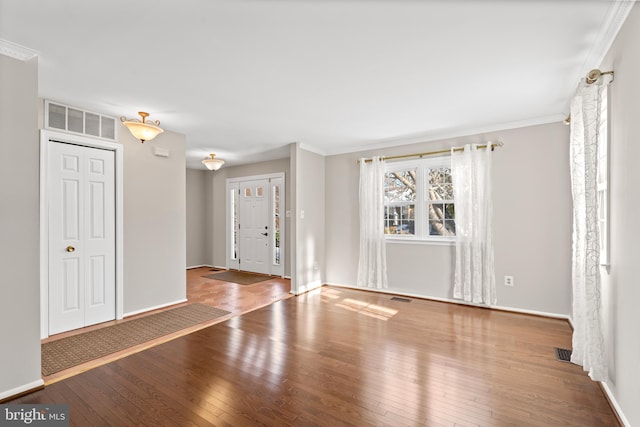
point(245, 78)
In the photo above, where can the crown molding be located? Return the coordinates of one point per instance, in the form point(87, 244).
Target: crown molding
point(480, 131)
point(618, 12)
point(16, 51)
point(313, 149)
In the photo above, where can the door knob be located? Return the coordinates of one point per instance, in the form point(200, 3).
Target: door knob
point(70, 249)
point(265, 234)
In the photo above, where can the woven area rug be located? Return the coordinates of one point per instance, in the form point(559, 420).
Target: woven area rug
point(74, 350)
point(239, 277)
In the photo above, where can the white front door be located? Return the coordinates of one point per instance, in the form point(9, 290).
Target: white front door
point(254, 226)
point(81, 222)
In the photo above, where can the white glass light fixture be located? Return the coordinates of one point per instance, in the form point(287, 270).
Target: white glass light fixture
point(212, 163)
point(144, 130)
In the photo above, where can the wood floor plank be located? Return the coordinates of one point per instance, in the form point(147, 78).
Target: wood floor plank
point(344, 357)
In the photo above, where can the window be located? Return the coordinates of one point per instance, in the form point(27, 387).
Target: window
point(419, 202)
point(603, 177)
point(400, 201)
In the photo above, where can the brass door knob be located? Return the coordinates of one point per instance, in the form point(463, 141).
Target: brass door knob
point(70, 249)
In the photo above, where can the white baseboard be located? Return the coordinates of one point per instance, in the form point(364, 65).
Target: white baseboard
point(198, 266)
point(26, 387)
point(144, 310)
point(455, 301)
point(614, 403)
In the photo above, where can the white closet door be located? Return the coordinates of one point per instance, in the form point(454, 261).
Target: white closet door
point(81, 236)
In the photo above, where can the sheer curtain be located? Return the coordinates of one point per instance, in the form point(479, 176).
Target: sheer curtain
point(372, 265)
point(474, 275)
point(588, 347)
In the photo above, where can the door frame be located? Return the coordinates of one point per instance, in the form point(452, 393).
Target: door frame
point(45, 137)
point(280, 271)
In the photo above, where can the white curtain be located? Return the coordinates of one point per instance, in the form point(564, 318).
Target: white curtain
point(588, 348)
point(372, 265)
point(474, 275)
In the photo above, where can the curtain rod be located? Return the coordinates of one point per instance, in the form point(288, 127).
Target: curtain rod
point(591, 78)
point(492, 145)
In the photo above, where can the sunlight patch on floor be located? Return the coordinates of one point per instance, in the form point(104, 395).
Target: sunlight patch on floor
point(330, 294)
point(372, 310)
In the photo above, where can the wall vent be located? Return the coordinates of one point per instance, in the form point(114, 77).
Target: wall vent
point(400, 299)
point(80, 122)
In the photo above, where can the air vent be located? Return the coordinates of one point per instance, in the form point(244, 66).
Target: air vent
point(563, 355)
point(75, 120)
point(400, 299)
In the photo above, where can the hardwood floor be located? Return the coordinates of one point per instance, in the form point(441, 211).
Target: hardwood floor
point(345, 357)
point(232, 297)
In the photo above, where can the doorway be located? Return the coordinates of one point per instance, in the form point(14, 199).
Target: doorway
point(81, 232)
point(255, 225)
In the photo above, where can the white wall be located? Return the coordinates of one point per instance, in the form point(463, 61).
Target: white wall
point(218, 202)
point(154, 222)
point(532, 208)
point(309, 211)
point(621, 283)
point(19, 227)
point(197, 219)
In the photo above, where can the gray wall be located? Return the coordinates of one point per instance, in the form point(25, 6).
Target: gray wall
point(218, 202)
point(532, 223)
point(154, 222)
point(19, 227)
point(621, 282)
point(197, 219)
point(310, 221)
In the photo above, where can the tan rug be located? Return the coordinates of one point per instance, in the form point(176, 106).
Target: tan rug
point(74, 350)
point(239, 277)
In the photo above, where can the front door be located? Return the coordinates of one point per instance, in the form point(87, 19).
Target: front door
point(254, 226)
point(81, 217)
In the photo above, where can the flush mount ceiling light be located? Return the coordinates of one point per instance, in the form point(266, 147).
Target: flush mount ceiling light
point(144, 130)
point(212, 163)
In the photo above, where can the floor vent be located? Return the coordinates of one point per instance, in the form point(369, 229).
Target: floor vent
point(400, 299)
point(563, 355)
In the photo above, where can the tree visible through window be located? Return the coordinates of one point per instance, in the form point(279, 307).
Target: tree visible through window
point(399, 199)
point(419, 200)
point(440, 202)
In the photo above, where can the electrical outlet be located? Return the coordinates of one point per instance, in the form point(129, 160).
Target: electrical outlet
point(508, 280)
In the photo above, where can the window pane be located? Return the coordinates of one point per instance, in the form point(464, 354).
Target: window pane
point(439, 182)
point(76, 118)
point(449, 211)
point(108, 127)
point(57, 116)
point(441, 219)
point(436, 227)
point(92, 124)
point(439, 176)
point(450, 226)
point(400, 186)
point(276, 224)
point(234, 233)
point(399, 219)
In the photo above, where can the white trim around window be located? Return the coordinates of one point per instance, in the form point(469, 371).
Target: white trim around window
point(411, 208)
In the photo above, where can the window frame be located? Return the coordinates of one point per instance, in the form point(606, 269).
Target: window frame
point(421, 202)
